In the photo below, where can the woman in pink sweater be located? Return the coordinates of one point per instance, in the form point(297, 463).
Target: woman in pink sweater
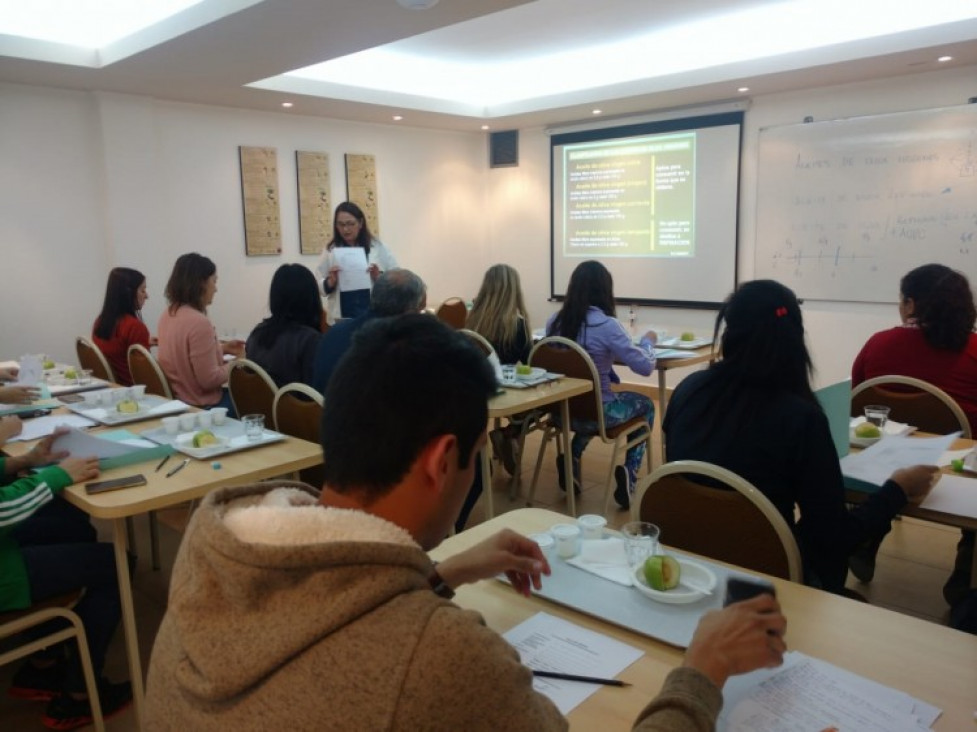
point(189, 353)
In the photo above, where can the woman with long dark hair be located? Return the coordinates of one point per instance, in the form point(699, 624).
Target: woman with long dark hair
point(350, 229)
point(189, 352)
point(753, 412)
point(120, 324)
point(587, 317)
point(936, 343)
point(285, 344)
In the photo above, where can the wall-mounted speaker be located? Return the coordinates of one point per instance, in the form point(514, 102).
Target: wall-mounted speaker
point(504, 149)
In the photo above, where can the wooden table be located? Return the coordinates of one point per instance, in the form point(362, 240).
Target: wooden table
point(515, 401)
point(196, 480)
point(854, 494)
point(928, 661)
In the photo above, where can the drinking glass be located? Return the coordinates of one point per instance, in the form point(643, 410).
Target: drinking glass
point(640, 540)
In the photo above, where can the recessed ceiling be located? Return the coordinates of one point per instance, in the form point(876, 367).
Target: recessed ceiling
point(508, 62)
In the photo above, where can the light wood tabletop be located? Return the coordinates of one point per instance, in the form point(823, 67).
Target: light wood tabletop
point(509, 402)
point(930, 662)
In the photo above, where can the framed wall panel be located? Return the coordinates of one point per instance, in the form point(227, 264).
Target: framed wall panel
point(361, 188)
point(259, 190)
point(315, 201)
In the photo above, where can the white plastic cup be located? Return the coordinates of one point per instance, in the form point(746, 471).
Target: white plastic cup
point(188, 421)
point(171, 425)
point(138, 391)
point(254, 426)
point(567, 538)
point(206, 419)
point(219, 415)
point(592, 526)
point(546, 543)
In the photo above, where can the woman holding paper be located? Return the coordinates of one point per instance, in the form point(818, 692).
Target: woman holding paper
point(120, 324)
point(351, 263)
point(753, 412)
point(189, 353)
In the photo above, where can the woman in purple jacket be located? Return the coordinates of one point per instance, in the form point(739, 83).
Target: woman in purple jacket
point(587, 317)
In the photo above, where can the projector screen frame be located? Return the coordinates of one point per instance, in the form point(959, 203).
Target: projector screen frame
point(655, 127)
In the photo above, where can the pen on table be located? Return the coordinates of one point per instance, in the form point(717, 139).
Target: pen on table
point(178, 468)
point(161, 463)
point(574, 677)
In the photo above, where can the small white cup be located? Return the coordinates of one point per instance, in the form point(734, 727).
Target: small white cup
point(92, 398)
point(254, 426)
point(567, 537)
point(105, 398)
point(206, 419)
point(219, 415)
point(171, 425)
point(592, 526)
point(546, 543)
point(84, 377)
point(188, 421)
point(138, 391)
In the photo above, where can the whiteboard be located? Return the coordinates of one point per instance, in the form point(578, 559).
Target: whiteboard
point(845, 208)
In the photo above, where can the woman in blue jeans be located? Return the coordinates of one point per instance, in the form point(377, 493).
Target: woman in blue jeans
point(587, 317)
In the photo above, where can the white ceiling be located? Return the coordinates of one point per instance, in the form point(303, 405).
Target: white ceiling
point(211, 52)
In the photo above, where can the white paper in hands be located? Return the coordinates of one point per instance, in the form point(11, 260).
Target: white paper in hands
point(30, 370)
point(34, 429)
point(354, 271)
point(82, 444)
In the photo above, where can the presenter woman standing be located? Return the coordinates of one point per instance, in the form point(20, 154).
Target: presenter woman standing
point(343, 298)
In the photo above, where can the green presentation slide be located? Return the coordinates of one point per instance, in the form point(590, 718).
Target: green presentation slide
point(630, 198)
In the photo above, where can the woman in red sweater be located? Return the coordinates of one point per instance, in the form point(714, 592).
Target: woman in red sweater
point(120, 325)
point(936, 343)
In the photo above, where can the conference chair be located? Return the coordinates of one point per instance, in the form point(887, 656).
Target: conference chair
point(91, 357)
point(297, 409)
point(252, 389)
point(15, 622)
point(453, 312)
point(912, 401)
point(564, 356)
point(729, 519)
point(145, 369)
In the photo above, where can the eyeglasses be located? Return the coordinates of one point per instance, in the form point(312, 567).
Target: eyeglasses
point(347, 224)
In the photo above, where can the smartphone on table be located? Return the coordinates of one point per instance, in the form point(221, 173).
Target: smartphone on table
point(745, 588)
point(101, 486)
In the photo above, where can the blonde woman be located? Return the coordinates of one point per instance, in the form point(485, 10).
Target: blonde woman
point(499, 314)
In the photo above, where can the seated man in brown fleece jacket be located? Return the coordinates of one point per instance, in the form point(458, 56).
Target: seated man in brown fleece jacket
point(295, 609)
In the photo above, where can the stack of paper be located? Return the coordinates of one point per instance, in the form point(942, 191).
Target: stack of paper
point(809, 694)
point(875, 464)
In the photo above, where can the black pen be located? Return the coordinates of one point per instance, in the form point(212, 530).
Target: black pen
point(161, 463)
point(178, 468)
point(574, 677)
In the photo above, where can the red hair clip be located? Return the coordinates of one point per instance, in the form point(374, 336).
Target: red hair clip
point(780, 312)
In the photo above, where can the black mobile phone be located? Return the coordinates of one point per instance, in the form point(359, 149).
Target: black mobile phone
point(71, 398)
point(744, 588)
point(102, 486)
point(34, 413)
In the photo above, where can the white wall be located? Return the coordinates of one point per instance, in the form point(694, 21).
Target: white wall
point(89, 181)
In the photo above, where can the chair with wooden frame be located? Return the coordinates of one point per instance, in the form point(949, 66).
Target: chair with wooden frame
point(91, 357)
point(453, 312)
point(15, 622)
point(252, 390)
point(735, 523)
point(298, 412)
point(564, 356)
point(145, 369)
point(912, 401)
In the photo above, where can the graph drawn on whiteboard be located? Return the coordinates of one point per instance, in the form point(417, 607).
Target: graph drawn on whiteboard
point(846, 208)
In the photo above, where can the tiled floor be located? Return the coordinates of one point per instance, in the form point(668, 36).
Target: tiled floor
point(913, 563)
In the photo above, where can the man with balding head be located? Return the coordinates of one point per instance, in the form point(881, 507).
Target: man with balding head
point(396, 292)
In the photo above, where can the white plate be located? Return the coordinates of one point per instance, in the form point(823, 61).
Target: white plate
point(534, 373)
point(184, 443)
point(693, 571)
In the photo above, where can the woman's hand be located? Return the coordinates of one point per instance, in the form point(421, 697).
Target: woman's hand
point(233, 348)
point(916, 481)
point(9, 373)
point(519, 557)
point(42, 454)
point(19, 394)
point(374, 271)
point(332, 279)
point(80, 469)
